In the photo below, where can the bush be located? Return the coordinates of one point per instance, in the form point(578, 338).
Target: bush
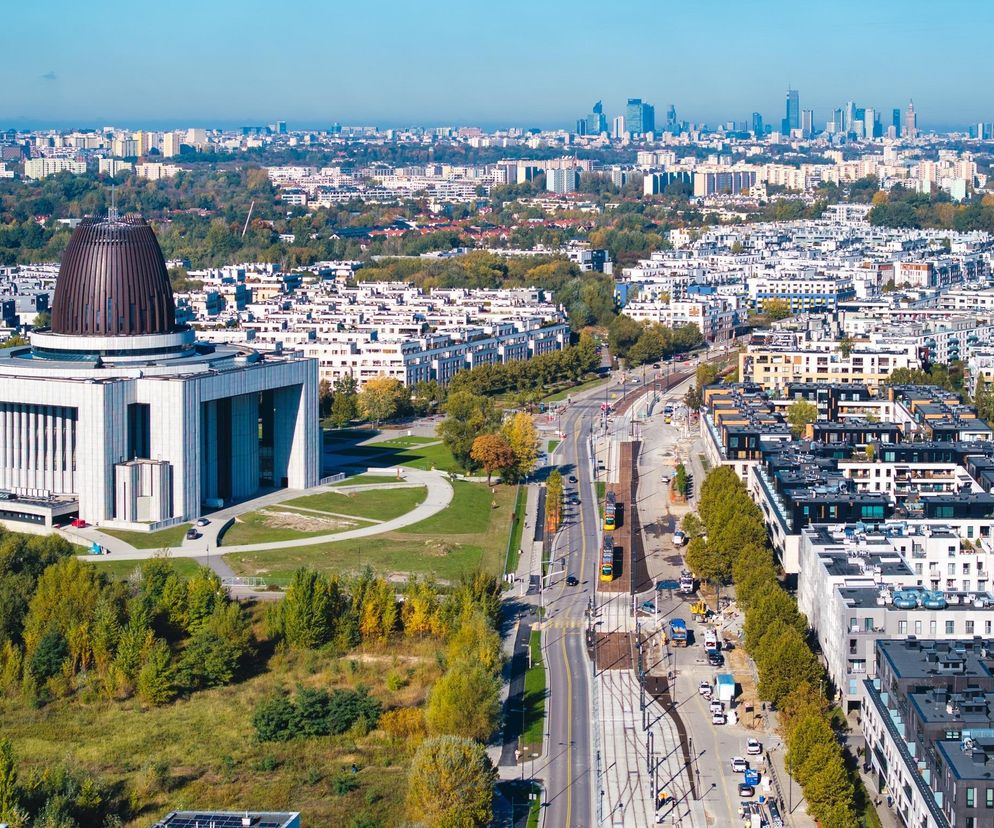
point(349, 707)
point(274, 719)
point(51, 652)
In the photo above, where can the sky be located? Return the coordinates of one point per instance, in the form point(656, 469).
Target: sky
point(509, 63)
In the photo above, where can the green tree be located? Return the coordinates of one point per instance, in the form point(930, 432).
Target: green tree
point(465, 701)
point(155, 679)
point(274, 718)
point(768, 607)
point(475, 641)
point(784, 663)
point(49, 656)
point(623, 333)
point(344, 401)
point(706, 374)
point(450, 784)
point(908, 376)
point(348, 707)
point(805, 734)
point(846, 345)
point(800, 414)
point(693, 399)
point(467, 416)
point(692, 526)
point(9, 794)
point(304, 617)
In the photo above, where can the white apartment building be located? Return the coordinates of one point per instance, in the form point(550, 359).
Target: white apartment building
point(44, 167)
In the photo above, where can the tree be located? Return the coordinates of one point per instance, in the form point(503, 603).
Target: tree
point(706, 374)
point(303, 617)
point(623, 333)
point(347, 707)
point(692, 526)
point(475, 641)
point(468, 415)
point(768, 607)
point(522, 436)
point(208, 661)
point(493, 452)
point(450, 784)
point(845, 346)
point(908, 376)
point(800, 414)
point(807, 733)
point(383, 398)
point(776, 309)
point(344, 401)
point(325, 398)
point(274, 718)
point(680, 481)
point(49, 656)
point(465, 701)
point(693, 399)
point(155, 679)
point(9, 797)
point(553, 499)
point(784, 663)
point(983, 399)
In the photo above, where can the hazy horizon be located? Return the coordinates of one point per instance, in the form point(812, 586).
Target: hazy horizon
point(544, 65)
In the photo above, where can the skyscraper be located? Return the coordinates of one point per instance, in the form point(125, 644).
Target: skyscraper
point(895, 121)
point(757, 124)
point(596, 122)
point(792, 119)
point(671, 123)
point(807, 122)
point(618, 127)
point(640, 118)
point(910, 121)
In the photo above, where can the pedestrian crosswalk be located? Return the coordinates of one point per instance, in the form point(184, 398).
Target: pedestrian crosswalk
point(564, 624)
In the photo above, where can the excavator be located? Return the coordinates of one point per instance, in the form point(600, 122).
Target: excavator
point(700, 611)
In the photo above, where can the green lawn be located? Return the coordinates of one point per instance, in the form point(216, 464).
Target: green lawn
point(404, 442)
point(332, 435)
point(601, 487)
point(375, 504)
point(517, 529)
point(417, 457)
point(363, 479)
point(552, 445)
point(121, 570)
point(173, 536)
point(350, 509)
point(466, 536)
point(534, 700)
point(574, 389)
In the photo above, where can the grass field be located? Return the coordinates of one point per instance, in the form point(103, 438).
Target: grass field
point(552, 445)
point(406, 441)
point(417, 457)
point(354, 435)
point(371, 505)
point(517, 529)
point(534, 699)
point(361, 479)
point(173, 536)
point(121, 570)
point(375, 504)
point(205, 745)
point(466, 536)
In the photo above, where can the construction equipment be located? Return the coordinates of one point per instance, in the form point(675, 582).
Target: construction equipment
point(699, 610)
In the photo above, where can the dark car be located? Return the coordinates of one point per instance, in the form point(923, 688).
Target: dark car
point(572, 478)
point(192, 534)
point(572, 580)
point(716, 659)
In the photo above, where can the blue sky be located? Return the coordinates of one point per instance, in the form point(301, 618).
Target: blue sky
point(541, 62)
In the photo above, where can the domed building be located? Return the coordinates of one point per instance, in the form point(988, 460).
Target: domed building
point(119, 416)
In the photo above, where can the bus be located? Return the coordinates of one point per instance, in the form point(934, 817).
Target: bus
point(610, 512)
point(607, 559)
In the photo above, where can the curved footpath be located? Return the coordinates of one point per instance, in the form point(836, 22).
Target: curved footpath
point(439, 496)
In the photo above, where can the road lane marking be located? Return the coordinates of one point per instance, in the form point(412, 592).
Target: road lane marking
point(569, 735)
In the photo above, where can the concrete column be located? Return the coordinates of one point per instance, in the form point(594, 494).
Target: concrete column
point(244, 445)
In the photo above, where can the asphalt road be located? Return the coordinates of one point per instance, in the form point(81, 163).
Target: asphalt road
point(568, 774)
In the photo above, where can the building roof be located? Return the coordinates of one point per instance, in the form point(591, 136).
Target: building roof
point(228, 819)
point(113, 282)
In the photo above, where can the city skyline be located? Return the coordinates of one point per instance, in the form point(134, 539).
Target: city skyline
point(428, 69)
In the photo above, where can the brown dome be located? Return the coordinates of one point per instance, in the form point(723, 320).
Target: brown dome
point(113, 282)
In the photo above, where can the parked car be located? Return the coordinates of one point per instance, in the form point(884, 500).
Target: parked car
point(572, 580)
point(716, 659)
point(648, 606)
point(718, 718)
point(746, 790)
point(717, 706)
point(192, 534)
point(739, 765)
point(572, 478)
point(203, 522)
point(655, 365)
point(705, 689)
point(679, 537)
point(79, 523)
point(754, 747)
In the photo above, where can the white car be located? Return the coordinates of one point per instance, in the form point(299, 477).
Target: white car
point(739, 765)
point(717, 718)
point(754, 747)
point(705, 689)
point(716, 706)
point(679, 538)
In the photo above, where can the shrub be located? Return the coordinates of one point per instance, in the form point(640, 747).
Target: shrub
point(274, 719)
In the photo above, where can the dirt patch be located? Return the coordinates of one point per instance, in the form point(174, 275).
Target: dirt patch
point(303, 523)
point(613, 651)
point(747, 702)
